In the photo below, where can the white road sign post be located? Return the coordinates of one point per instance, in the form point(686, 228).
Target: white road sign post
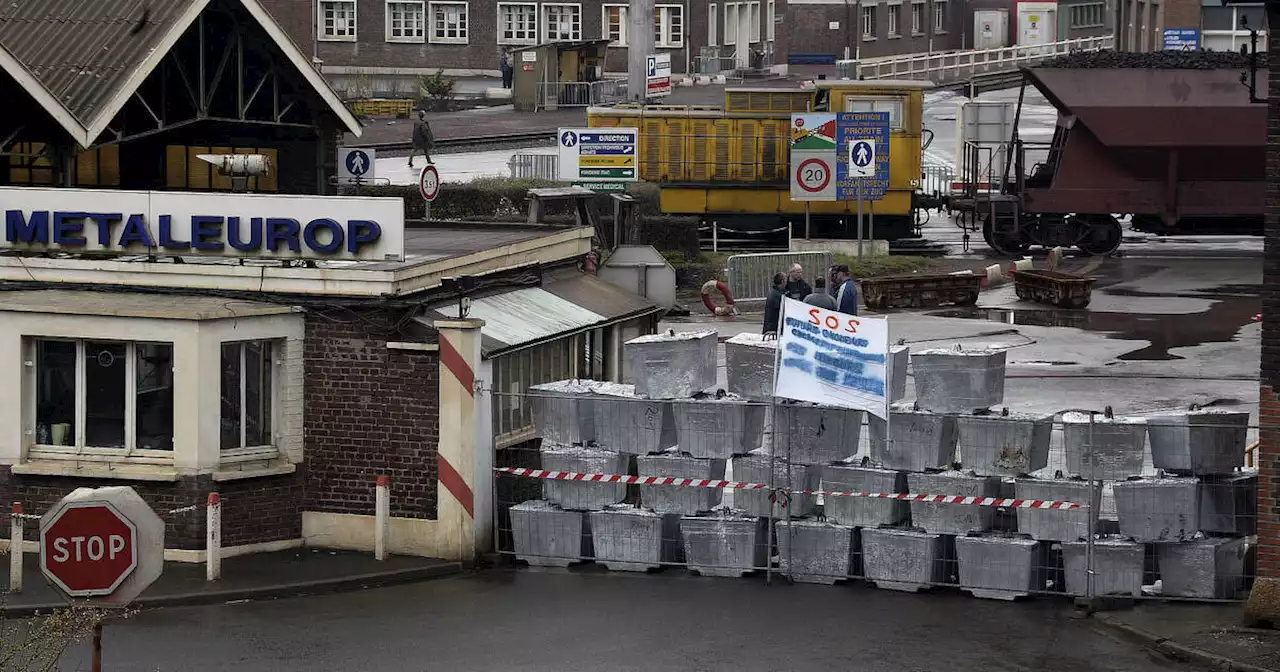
point(598, 154)
point(429, 187)
point(356, 165)
point(813, 160)
point(658, 75)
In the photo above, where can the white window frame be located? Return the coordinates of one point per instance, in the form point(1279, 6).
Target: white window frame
point(713, 25)
point(575, 26)
point(389, 16)
point(463, 26)
point(868, 20)
point(918, 17)
point(894, 105)
point(244, 452)
point(346, 36)
point(893, 19)
point(770, 30)
point(731, 9)
point(663, 23)
point(622, 24)
point(939, 17)
point(79, 450)
point(753, 19)
point(515, 39)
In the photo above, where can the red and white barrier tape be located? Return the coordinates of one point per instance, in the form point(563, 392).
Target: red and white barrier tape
point(736, 485)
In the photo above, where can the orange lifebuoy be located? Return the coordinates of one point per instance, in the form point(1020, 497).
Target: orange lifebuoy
point(710, 303)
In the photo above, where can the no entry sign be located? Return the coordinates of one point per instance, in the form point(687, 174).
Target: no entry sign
point(103, 543)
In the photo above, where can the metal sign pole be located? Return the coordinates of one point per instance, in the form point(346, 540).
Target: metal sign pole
point(426, 210)
point(871, 225)
point(807, 233)
point(860, 230)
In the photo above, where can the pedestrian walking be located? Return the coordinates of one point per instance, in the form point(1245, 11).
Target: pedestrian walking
point(773, 305)
point(847, 292)
point(423, 140)
point(796, 287)
point(820, 297)
point(508, 73)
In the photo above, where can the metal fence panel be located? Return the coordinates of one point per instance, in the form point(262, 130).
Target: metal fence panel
point(580, 94)
point(751, 275)
point(534, 166)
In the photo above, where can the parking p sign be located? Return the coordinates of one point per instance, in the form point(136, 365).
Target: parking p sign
point(658, 75)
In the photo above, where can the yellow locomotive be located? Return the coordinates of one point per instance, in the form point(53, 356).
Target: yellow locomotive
point(730, 164)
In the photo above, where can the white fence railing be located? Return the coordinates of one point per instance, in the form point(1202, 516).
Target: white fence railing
point(580, 94)
point(956, 66)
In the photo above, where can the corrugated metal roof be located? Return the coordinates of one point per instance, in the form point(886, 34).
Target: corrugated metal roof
point(83, 51)
point(564, 306)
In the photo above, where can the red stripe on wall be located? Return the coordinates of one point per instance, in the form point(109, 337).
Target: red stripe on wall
point(452, 481)
point(453, 360)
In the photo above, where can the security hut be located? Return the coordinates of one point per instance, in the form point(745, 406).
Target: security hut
point(268, 345)
point(555, 74)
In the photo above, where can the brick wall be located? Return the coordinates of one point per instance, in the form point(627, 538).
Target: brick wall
point(295, 17)
point(1268, 457)
point(370, 411)
point(1181, 14)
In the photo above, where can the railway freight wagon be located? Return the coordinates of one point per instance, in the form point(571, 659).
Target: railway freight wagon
point(731, 164)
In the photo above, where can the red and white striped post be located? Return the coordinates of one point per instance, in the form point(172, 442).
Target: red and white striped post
point(382, 516)
point(15, 549)
point(213, 538)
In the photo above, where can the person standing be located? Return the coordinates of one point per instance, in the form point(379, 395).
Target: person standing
point(423, 140)
point(796, 287)
point(847, 291)
point(508, 73)
point(820, 297)
point(773, 305)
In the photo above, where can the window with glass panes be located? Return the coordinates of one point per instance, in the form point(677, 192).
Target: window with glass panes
point(517, 23)
point(563, 22)
point(877, 104)
point(614, 21)
point(337, 19)
point(939, 16)
point(668, 29)
point(917, 18)
point(893, 14)
point(449, 22)
point(868, 21)
point(247, 394)
point(406, 21)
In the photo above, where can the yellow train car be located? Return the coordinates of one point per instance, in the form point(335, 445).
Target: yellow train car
point(731, 164)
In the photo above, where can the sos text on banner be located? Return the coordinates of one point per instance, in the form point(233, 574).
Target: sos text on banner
point(831, 358)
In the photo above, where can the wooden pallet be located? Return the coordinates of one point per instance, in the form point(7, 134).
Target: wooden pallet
point(920, 291)
point(1065, 290)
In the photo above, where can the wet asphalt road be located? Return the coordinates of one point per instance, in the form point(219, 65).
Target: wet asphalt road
point(570, 622)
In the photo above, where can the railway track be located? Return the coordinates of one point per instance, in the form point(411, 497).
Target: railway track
point(471, 142)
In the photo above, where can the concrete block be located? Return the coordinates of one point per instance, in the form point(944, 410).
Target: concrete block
point(673, 365)
point(863, 511)
point(718, 428)
point(1054, 524)
point(627, 539)
point(914, 441)
point(952, 518)
point(749, 360)
point(755, 468)
point(811, 551)
point(1118, 567)
point(998, 568)
point(812, 434)
point(1112, 450)
point(1199, 442)
point(685, 501)
point(544, 535)
point(903, 559)
point(899, 359)
point(562, 411)
point(727, 545)
point(627, 423)
point(958, 381)
point(1202, 568)
point(1158, 509)
point(1015, 444)
point(1229, 504)
point(578, 495)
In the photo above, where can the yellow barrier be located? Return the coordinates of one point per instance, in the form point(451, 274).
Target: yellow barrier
point(381, 107)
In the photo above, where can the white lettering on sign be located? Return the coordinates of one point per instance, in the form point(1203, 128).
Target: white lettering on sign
point(92, 547)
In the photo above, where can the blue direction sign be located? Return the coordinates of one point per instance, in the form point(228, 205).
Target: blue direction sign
point(1181, 39)
point(598, 154)
point(862, 145)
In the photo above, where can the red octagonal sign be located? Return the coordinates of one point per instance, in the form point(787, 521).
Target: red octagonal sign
point(88, 548)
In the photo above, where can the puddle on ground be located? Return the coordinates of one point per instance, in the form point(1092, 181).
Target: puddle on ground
point(1165, 332)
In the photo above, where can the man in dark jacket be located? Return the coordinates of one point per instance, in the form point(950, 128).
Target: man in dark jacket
point(820, 297)
point(846, 291)
point(773, 305)
point(797, 288)
point(422, 139)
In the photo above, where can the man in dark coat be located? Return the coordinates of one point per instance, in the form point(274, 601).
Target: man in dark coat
point(820, 297)
point(773, 305)
point(423, 140)
point(797, 288)
point(846, 291)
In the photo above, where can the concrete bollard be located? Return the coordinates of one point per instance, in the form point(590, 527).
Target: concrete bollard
point(1118, 566)
point(382, 516)
point(725, 545)
point(914, 441)
point(999, 568)
point(812, 434)
point(1108, 449)
point(903, 560)
point(1229, 504)
point(16, 541)
point(1199, 442)
point(1054, 524)
point(630, 424)
point(718, 428)
point(864, 511)
point(958, 381)
point(544, 535)
point(686, 501)
point(749, 360)
point(578, 495)
point(562, 411)
point(673, 365)
point(1210, 569)
point(812, 551)
point(1014, 444)
point(952, 518)
point(213, 537)
point(755, 468)
point(627, 539)
point(1158, 509)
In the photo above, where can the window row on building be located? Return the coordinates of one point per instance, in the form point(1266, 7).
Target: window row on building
point(916, 19)
point(518, 23)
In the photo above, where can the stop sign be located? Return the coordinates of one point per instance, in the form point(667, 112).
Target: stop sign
point(104, 543)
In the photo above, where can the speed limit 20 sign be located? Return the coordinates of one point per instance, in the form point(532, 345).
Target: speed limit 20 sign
point(813, 156)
